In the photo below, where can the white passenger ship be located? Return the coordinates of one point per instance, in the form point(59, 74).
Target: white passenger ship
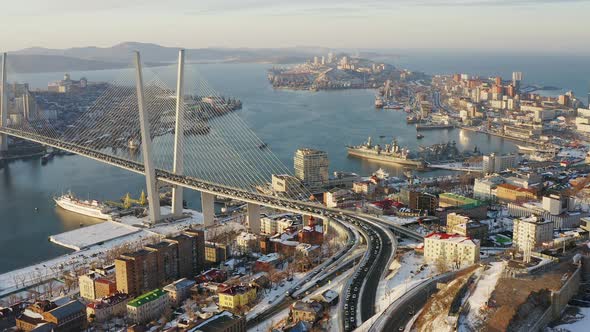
point(90, 208)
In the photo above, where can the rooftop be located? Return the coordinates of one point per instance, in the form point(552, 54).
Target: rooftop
point(238, 289)
point(451, 238)
point(68, 309)
point(146, 298)
point(462, 199)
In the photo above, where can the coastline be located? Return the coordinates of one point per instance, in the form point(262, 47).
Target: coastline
point(511, 138)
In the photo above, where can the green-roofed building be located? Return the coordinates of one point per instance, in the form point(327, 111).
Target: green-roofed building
point(454, 200)
point(148, 306)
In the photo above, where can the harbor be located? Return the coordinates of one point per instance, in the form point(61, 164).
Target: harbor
point(339, 109)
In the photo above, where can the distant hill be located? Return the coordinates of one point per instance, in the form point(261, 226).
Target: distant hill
point(31, 63)
point(38, 59)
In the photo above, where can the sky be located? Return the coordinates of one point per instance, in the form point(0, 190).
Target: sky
point(538, 26)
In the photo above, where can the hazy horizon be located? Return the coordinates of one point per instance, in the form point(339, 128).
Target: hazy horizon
point(505, 26)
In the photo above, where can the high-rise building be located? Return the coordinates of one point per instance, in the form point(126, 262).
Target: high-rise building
point(150, 267)
point(311, 166)
point(498, 80)
point(516, 78)
point(530, 233)
point(137, 272)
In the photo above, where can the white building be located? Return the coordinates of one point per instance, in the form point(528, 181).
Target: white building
point(247, 242)
point(451, 249)
point(530, 233)
point(311, 166)
point(284, 183)
point(583, 124)
point(493, 163)
point(483, 189)
point(271, 225)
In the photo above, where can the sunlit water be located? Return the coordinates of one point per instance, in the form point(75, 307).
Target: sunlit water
point(286, 120)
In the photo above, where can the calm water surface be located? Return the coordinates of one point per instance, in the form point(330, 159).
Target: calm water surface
point(286, 120)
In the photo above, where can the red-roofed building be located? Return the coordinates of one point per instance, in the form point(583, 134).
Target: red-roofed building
point(311, 235)
point(104, 287)
point(214, 275)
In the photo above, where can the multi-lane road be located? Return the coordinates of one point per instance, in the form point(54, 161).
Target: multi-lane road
point(362, 289)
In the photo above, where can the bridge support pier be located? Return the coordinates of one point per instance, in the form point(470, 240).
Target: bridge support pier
point(254, 218)
point(178, 167)
point(146, 149)
point(208, 208)
point(3, 109)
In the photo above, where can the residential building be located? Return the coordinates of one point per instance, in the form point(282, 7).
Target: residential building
point(179, 290)
point(148, 306)
point(454, 200)
point(236, 296)
point(471, 229)
point(454, 219)
point(166, 259)
point(557, 204)
point(363, 187)
point(510, 193)
point(288, 184)
point(67, 85)
point(191, 247)
point(271, 225)
point(341, 198)
point(566, 219)
point(306, 311)
point(483, 188)
point(222, 322)
point(247, 242)
point(530, 233)
point(267, 262)
point(108, 307)
point(98, 283)
point(152, 266)
point(32, 316)
point(493, 163)
point(136, 272)
point(451, 249)
point(311, 167)
point(215, 252)
point(68, 317)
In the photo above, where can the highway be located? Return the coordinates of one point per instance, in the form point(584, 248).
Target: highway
point(362, 287)
point(401, 311)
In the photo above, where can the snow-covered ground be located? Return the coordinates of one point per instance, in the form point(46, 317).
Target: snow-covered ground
point(56, 267)
point(581, 325)
point(483, 290)
point(81, 238)
point(459, 167)
point(336, 285)
point(400, 221)
point(404, 277)
point(274, 295)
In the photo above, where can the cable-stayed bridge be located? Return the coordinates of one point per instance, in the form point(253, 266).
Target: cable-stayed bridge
point(187, 136)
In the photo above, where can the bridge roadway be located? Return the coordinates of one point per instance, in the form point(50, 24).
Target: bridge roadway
point(363, 287)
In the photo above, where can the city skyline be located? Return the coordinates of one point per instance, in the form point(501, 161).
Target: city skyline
point(502, 26)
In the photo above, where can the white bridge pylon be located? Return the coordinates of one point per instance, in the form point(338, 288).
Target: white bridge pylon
point(191, 132)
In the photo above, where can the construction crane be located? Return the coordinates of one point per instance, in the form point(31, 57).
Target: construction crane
point(127, 201)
